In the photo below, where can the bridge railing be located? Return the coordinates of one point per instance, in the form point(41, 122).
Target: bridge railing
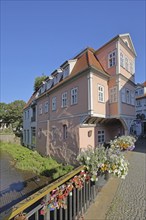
point(77, 202)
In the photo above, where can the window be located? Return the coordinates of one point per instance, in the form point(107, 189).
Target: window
point(64, 132)
point(131, 67)
point(74, 96)
point(46, 107)
point(33, 135)
point(132, 101)
point(141, 92)
point(122, 59)
point(113, 94)
point(136, 93)
point(40, 109)
point(126, 63)
point(101, 136)
point(54, 104)
point(28, 114)
point(24, 136)
point(64, 99)
point(65, 72)
point(100, 93)
point(138, 103)
point(112, 59)
point(27, 136)
point(127, 96)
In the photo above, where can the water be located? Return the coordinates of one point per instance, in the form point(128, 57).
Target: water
point(16, 185)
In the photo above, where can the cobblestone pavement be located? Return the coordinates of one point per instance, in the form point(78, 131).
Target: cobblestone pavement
point(129, 202)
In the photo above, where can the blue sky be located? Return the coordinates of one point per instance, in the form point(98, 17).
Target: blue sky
point(38, 36)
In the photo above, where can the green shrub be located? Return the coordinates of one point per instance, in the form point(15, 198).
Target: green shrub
point(26, 159)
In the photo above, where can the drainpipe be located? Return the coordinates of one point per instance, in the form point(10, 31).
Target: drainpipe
point(90, 93)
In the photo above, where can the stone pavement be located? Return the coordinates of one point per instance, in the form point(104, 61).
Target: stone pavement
point(124, 199)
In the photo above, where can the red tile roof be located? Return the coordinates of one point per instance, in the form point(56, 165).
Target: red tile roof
point(144, 84)
point(86, 59)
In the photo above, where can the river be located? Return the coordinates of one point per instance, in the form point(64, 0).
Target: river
point(16, 185)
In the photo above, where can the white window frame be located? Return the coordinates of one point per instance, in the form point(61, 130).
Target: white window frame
point(113, 94)
point(100, 93)
point(46, 107)
point(122, 59)
point(131, 67)
point(64, 99)
point(101, 136)
point(54, 103)
point(40, 109)
point(112, 59)
point(132, 97)
point(33, 136)
point(127, 96)
point(28, 136)
point(64, 131)
point(126, 63)
point(74, 96)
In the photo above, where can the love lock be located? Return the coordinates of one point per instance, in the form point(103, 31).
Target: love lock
point(21, 216)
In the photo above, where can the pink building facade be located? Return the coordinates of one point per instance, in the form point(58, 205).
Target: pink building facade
point(87, 101)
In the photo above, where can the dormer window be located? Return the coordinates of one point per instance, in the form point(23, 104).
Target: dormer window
point(49, 83)
point(112, 59)
point(65, 72)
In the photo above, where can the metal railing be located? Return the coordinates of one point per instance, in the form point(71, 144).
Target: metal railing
point(77, 202)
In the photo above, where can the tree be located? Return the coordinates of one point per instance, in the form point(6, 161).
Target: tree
point(38, 81)
point(12, 114)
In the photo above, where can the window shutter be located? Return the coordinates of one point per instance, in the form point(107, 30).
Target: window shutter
point(123, 95)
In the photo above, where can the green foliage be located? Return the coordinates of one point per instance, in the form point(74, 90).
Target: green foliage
point(3, 111)
point(26, 159)
point(38, 81)
point(60, 171)
point(11, 114)
point(101, 160)
point(7, 131)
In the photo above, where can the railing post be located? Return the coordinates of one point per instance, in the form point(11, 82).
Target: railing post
point(84, 201)
point(47, 215)
point(66, 210)
point(74, 203)
point(70, 207)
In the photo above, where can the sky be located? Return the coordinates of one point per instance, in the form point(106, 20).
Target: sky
point(38, 36)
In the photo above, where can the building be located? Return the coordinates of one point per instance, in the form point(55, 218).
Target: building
point(139, 125)
point(29, 122)
point(87, 101)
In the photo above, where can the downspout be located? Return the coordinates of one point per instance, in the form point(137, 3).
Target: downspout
point(118, 80)
point(90, 93)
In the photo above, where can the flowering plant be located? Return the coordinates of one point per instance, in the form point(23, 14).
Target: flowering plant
point(93, 160)
point(123, 143)
point(116, 163)
point(100, 160)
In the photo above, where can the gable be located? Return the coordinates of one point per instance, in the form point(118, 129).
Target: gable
point(128, 41)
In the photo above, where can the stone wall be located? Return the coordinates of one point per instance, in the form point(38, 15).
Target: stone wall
point(10, 138)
